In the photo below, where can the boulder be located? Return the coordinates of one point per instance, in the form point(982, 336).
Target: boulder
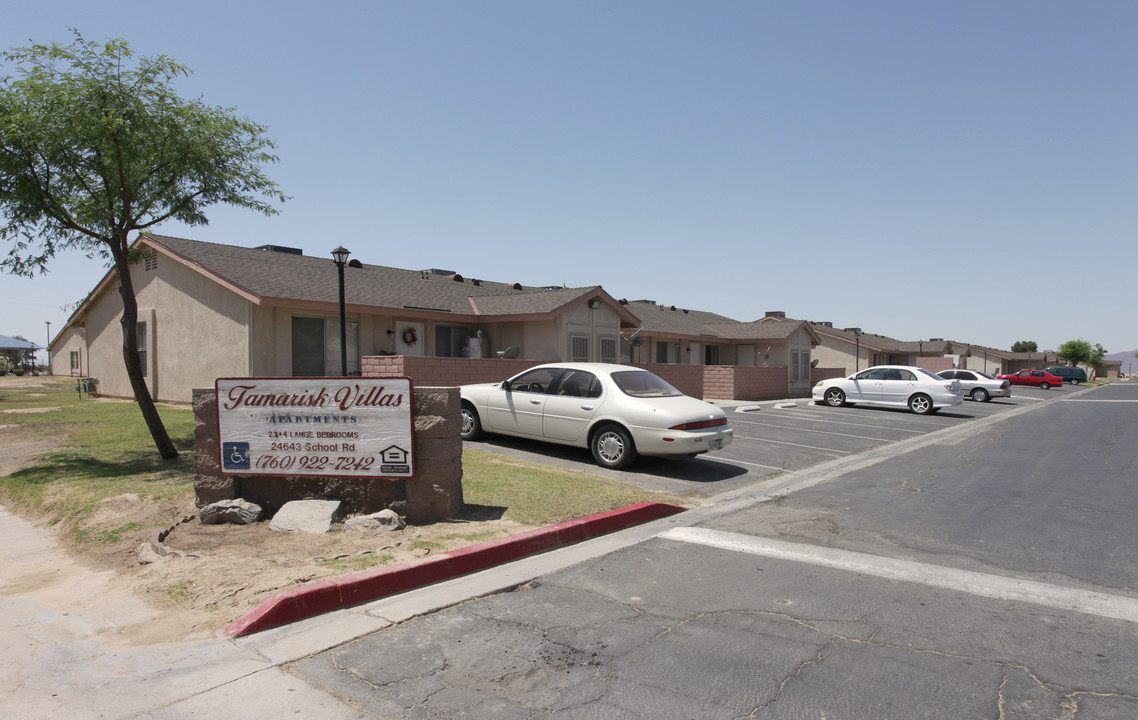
point(382, 521)
point(237, 512)
point(311, 516)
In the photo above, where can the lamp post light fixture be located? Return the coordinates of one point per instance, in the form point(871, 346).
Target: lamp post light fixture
point(340, 254)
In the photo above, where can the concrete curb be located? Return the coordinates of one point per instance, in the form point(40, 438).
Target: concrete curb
point(325, 596)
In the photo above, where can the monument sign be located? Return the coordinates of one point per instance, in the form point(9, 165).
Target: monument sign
point(333, 427)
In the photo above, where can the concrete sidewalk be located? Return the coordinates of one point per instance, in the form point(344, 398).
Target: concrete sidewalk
point(62, 653)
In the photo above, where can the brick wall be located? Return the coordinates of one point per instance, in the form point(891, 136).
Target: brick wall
point(728, 382)
point(433, 494)
point(443, 372)
point(819, 374)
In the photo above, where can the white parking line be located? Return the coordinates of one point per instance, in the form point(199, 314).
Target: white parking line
point(976, 583)
point(732, 461)
point(822, 432)
point(781, 442)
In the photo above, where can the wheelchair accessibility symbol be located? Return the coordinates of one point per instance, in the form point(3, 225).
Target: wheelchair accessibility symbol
point(235, 455)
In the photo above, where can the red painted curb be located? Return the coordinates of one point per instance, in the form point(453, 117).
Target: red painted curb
point(320, 597)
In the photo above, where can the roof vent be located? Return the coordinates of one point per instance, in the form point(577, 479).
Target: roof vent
point(280, 249)
point(936, 339)
point(477, 282)
point(517, 286)
point(457, 278)
point(355, 263)
point(436, 271)
point(825, 323)
point(672, 308)
point(623, 301)
point(776, 314)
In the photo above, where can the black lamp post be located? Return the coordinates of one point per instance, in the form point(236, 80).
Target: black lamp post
point(857, 347)
point(341, 257)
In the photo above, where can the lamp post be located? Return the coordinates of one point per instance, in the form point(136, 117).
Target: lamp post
point(341, 258)
point(857, 347)
point(47, 347)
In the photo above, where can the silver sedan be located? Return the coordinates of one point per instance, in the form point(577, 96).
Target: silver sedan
point(977, 385)
point(920, 390)
point(616, 411)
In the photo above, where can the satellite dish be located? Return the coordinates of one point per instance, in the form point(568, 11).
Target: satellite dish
point(636, 340)
point(814, 362)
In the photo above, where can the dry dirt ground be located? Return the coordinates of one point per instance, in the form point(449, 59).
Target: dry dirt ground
point(213, 574)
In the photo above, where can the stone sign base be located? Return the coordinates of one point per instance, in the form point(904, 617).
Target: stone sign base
point(433, 494)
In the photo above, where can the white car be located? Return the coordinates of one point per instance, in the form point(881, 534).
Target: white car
point(918, 389)
point(977, 385)
point(616, 411)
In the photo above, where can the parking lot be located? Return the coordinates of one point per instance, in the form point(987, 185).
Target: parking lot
point(773, 438)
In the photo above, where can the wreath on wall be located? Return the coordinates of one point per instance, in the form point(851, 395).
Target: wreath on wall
point(409, 336)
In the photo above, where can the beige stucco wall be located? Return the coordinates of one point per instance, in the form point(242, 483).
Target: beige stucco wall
point(195, 333)
point(72, 339)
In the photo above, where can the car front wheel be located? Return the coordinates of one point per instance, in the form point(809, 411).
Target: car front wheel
point(921, 404)
point(835, 397)
point(612, 447)
point(980, 395)
point(471, 425)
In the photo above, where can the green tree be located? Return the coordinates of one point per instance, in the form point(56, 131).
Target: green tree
point(1025, 346)
point(95, 145)
point(1098, 356)
point(1075, 352)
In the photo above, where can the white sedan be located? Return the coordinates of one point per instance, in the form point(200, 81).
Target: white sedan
point(977, 385)
point(918, 389)
point(616, 411)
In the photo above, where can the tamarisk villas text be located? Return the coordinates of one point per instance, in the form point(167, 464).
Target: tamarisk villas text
point(334, 427)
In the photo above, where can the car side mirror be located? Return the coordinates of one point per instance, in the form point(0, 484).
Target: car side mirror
point(506, 385)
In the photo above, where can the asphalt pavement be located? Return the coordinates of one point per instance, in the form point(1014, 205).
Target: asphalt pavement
point(889, 582)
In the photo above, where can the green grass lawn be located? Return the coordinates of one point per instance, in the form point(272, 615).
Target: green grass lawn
point(104, 450)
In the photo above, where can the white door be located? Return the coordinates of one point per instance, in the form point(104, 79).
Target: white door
point(409, 338)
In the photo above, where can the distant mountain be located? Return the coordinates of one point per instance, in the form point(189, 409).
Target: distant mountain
point(1124, 356)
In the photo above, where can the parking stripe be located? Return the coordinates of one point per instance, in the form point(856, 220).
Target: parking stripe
point(822, 432)
point(782, 442)
point(983, 584)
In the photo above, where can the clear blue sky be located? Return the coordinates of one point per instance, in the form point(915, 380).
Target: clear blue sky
point(965, 170)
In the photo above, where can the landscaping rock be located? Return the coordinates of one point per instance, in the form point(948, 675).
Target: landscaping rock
point(237, 512)
point(380, 522)
point(312, 516)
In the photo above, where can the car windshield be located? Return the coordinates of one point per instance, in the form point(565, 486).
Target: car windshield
point(643, 384)
point(930, 373)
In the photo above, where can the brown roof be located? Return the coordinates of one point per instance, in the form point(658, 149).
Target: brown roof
point(267, 275)
point(671, 320)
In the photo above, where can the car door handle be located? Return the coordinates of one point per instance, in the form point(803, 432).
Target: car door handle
point(534, 402)
point(586, 407)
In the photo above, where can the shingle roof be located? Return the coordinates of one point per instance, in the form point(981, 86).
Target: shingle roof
point(670, 320)
point(267, 274)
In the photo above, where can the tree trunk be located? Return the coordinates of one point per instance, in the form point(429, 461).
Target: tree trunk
point(133, 367)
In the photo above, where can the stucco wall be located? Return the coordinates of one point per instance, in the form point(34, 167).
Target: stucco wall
point(73, 339)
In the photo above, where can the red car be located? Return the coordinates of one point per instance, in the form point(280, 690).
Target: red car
point(1038, 378)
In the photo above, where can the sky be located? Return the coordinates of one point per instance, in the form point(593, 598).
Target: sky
point(963, 170)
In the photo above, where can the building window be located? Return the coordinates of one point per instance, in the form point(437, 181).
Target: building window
point(450, 341)
point(74, 362)
point(579, 349)
point(316, 347)
point(608, 350)
point(793, 366)
point(141, 329)
point(711, 355)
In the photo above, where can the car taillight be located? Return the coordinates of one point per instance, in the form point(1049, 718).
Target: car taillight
point(699, 425)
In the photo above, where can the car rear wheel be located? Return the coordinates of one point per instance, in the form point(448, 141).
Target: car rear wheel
point(1074, 381)
point(471, 425)
point(980, 395)
point(612, 447)
point(921, 404)
point(835, 397)
point(1044, 386)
